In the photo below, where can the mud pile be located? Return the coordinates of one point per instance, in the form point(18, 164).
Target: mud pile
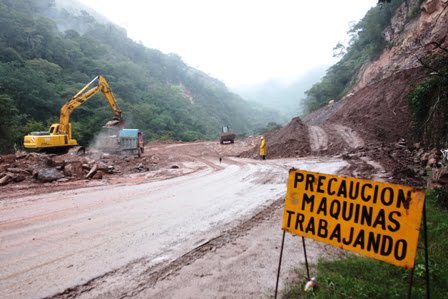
point(289, 141)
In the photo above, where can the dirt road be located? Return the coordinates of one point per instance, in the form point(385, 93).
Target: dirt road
point(119, 239)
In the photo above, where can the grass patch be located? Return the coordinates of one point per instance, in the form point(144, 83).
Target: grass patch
point(360, 277)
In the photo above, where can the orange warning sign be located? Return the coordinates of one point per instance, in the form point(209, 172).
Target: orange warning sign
point(375, 219)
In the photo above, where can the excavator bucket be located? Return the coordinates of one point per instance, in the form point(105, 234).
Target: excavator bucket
point(115, 123)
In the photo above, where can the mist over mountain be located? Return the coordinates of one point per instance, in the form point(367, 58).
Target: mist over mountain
point(287, 98)
point(50, 49)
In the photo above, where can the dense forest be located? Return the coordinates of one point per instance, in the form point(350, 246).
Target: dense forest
point(48, 53)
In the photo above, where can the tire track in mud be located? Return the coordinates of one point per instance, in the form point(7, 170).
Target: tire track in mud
point(318, 138)
point(349, 136)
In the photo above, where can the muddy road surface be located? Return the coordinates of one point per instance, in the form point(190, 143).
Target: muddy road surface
point(131, 237)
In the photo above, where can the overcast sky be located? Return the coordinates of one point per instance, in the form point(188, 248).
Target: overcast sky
point(239, 42)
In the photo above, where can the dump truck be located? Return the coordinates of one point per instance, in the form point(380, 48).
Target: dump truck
point(113, 140)
point(226, 135)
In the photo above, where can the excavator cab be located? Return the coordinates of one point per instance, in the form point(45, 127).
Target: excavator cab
point(54, 129)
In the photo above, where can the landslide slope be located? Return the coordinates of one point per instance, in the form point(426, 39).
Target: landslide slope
point(371, 127)
point(377, 105)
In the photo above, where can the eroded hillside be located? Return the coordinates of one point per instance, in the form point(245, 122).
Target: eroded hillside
point(374, 118)
point(377, 106)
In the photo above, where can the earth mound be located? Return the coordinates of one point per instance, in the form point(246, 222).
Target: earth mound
point(289, 141)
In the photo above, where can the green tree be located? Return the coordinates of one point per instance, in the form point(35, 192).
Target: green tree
point(8, 123)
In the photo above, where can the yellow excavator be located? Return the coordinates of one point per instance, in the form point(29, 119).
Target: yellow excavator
point(59, 138)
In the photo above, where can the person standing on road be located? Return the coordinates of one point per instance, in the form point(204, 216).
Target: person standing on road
point(262, 148)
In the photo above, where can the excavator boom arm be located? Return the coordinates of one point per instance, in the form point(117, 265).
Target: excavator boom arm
point(105, 88)
point(82, 96)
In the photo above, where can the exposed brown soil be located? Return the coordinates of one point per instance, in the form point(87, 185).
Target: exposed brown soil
point(373, 124)
point(380, 111)
point(289, 141)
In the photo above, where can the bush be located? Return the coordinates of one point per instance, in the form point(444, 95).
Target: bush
point(428, 103)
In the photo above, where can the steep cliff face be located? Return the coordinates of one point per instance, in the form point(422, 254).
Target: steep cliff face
point(409, 40)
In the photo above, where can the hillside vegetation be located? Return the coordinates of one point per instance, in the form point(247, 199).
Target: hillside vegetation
point(47, 54)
